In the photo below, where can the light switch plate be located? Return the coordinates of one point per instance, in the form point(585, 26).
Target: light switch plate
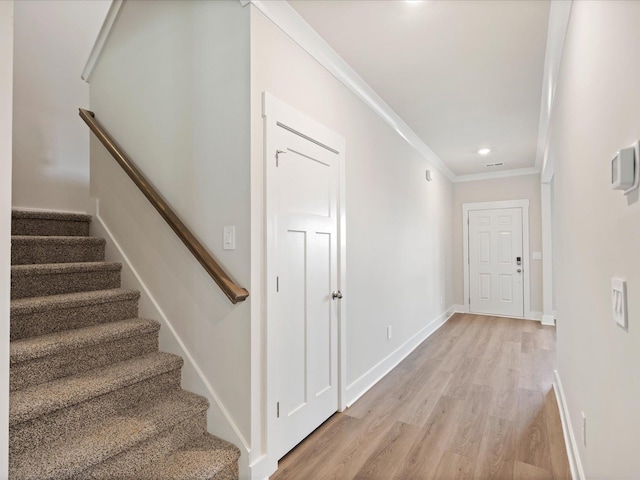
point(229, 238)
point(536, 255)
point(619, 301)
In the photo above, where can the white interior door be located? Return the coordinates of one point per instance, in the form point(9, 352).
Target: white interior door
point(304, 186)
point(496, 262)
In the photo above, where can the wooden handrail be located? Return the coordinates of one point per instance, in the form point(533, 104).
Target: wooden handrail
point(234, 292)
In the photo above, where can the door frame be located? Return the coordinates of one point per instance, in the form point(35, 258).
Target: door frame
point(274, 112)
point(524, 205)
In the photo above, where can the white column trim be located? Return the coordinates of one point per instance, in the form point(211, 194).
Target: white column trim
point(559, 14)
point(524, 204)
point(6, 128)
point(548, 317)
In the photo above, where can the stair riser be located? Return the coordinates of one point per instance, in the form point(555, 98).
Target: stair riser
point(57, 320)
point(55, 284)
point(35, 433)
point(229, 473)
point(32, 252)
point(33, 226)
point(124, 465)
point(75, 361)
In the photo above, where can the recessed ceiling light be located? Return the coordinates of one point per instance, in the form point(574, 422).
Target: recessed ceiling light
point(413, 1)
point(484, 151)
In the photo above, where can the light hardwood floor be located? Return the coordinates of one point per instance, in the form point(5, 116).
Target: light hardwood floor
point(474, 401)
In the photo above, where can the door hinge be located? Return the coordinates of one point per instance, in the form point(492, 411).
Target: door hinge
point(277, 284)
point(278, 409)
point(278, 152)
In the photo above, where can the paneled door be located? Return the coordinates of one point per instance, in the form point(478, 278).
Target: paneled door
point(496, 262)
point(304, 186)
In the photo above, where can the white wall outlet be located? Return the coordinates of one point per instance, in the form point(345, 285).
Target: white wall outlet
point(229, 238)
point(619, 301)
point(389, 332)
point(584, 429)
point(536, 255)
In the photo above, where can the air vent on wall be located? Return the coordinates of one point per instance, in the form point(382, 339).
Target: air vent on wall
point(497, 164)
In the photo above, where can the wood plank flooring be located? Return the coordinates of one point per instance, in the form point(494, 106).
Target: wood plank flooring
point(474, 401)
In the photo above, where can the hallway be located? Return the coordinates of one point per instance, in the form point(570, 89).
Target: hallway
point(474, 401)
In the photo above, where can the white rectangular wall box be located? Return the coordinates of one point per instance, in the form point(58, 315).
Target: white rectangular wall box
point(619, 301)
point(625, 171)
point(229, 238)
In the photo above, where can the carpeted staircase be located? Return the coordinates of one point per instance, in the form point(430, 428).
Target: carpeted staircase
point(91, 395)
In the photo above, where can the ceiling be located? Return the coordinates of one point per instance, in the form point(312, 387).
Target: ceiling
point(463, 75)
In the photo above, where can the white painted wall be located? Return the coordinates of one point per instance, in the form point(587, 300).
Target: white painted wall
point(53, 39)
point(398, 225)
point(172, 87)
point(598, 234)
point(6, 98)
point(511, 188)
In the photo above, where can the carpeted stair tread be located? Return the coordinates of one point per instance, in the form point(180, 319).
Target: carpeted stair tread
point(48, 397)
point(38, 432)
point(94, 443)
point(73, 352)
point(60, 216)
point(24, 306)
point(35, 316)
point(49, 223)
point(56, 268)
point(200, 459)
point(37, 280)
point(28, 349)
point(29, 249)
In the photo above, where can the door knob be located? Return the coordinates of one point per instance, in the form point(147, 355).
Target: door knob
point(519, 270)
point(337, 294)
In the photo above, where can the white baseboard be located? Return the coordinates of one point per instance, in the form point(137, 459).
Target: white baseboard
point(577, 471)
point(533, 315)
point(193, 378)
point(263, 467)
point(548, 320)
point(459, 308)
point(378, 371)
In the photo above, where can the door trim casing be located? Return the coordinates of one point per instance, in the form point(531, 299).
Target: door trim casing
point(524, 204)
point(274, 112)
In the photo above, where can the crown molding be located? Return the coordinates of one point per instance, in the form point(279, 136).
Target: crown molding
point(559, 14)
point(101, 39)
point(515, 172)
point(283, 16)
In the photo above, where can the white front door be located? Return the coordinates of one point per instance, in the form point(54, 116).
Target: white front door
point(496, 262)
point(303, 178)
